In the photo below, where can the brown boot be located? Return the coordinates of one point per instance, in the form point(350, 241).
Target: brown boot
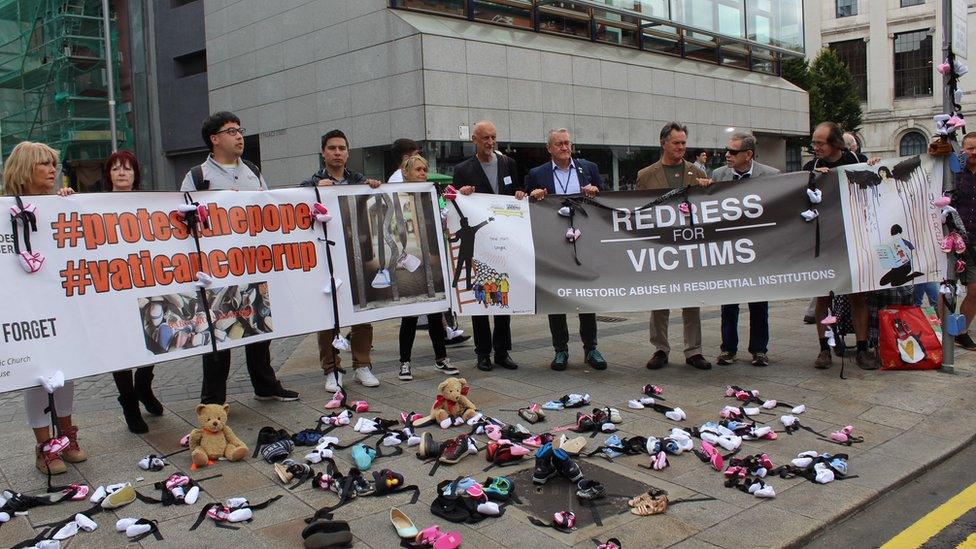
point(74, 453)
point(56, 465)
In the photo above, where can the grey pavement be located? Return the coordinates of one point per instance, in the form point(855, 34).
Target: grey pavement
point(909, 420)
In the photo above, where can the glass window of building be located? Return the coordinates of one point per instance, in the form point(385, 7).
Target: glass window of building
point(907, 3)
point(565, 18)
point(846, 8)
point(514, 13)
point(442, 7)
point(913, 64)
point(777, 23)
point(794, 157)
point(853, 53)
point(912, 144)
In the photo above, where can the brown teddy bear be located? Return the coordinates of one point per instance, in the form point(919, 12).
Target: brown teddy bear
point(214, 439)
point(452, 402)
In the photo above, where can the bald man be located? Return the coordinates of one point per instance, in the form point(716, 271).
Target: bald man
point(489, 172)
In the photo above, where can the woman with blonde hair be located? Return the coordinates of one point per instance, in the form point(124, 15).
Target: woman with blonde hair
point(415, 170)
point(31, 170)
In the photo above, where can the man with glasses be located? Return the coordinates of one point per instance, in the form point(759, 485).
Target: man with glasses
point(830, 151)
point(224, 169)
point(564, 175)
point(740, 164)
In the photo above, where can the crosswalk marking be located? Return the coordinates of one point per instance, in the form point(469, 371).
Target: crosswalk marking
point(936, 521)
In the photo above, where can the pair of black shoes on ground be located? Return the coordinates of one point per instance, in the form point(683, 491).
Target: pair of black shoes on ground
point(551, 461)
point(660, 359)
point(503, 360)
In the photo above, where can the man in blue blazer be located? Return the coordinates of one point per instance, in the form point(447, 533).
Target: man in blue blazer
point(565, 175)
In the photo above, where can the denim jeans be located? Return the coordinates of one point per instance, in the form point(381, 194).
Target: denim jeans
point(758, 327)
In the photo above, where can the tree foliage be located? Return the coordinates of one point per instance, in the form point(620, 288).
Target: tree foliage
point(830, 86)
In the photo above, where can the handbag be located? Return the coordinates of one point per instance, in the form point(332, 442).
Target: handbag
point(910, 338)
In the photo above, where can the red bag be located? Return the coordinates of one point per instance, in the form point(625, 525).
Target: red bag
point(909, 339)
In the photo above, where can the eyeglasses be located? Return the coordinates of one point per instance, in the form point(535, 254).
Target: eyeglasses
point(734, 152)
point(233, 131)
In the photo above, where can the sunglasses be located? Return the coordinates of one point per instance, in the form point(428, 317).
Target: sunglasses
point(734, 152)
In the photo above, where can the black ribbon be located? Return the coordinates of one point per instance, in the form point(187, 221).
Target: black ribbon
point(811, 184)
point(332, 282)
point(193, 225)
point(29, 220)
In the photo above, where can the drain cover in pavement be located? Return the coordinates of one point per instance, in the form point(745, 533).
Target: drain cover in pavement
point(559, 494)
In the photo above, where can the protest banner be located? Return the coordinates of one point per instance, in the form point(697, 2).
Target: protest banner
point(119, 288)
point(731, 242)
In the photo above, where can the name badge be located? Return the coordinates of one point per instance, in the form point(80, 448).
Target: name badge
point(507, 180)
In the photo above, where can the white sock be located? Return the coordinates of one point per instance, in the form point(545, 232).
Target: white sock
point(475, 418)
point(66, 531)
point(240, 515)
point(191, 495)
point(446, 423)
point(413, 440)
point(799, 409)
point(85, 523)
point(123, 523)
point(137, 529)
point(98, 495)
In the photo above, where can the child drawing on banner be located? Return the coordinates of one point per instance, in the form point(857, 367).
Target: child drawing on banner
point(466, 235)
point(490, 287)
point(897, 256)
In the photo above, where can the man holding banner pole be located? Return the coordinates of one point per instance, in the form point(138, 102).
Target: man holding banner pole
point(831, 151)
point(740, 162)
point(564, 175)
point(226, 170)
point(672, 171)
point(489, 172)
point(335, 153)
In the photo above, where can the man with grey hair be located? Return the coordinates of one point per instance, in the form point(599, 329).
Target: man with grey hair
point(672, 171)
point(489, 172)
point(852, 145)
point(740, 153)
point(565, 175)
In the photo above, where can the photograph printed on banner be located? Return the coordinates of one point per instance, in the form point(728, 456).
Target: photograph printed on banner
point(175, 322)
point(392, 249)
point(491, 255)
point(893, 217)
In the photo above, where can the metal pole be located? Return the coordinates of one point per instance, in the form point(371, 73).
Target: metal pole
point(948, 342)
point(108, 71)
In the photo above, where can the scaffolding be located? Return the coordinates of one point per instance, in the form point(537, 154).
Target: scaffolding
point(53, 81)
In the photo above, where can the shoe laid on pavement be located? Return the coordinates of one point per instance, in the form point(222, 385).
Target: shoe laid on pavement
point(560, 361)
point(699, 362)
point(331, 383)
point(823, 360)
point(505, 361)
point(657, 361)
point(760, 359)
point(365, 376)
point(725, 358)
point(966, 341)
point(595, 359)
point(544, 467)
point(865, 360)
point(405, 373)
point(280, 394)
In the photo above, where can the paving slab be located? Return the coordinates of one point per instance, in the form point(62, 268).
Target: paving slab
point(909, 420)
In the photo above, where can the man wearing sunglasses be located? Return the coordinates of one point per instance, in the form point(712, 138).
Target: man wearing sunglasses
point(740, 164)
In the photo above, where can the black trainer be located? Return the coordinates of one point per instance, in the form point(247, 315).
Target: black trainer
point(544, 468)
point(567, 467)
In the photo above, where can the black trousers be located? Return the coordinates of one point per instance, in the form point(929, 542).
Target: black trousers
point(560, 331)
point(485, 341)
point(216, 368)
point(435, 327)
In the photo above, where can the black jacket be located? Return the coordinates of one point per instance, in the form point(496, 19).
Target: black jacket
point(469, 172)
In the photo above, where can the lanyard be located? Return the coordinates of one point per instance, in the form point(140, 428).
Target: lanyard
point(565, 187)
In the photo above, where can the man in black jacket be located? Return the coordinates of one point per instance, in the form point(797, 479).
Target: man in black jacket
point(490, 172)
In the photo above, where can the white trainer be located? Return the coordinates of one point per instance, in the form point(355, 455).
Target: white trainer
point(365, 377)
point(331, 385)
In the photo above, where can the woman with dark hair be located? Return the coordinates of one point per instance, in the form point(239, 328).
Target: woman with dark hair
point(121, 173)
